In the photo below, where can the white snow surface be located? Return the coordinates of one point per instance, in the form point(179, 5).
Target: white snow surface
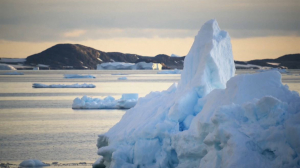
point(175, 71)
point(33, 163)
point(128, 66)
point(6, 67)
point(40, 85)
point(209, 119)
point(127, 101)
point(78, 76)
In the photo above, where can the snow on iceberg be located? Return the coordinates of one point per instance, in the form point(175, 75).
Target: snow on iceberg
point(78, 76)
point(175, 71)
point(40, 85)
point(210, 118)
point(33, 163)
point(174, 55)
point(127, 101)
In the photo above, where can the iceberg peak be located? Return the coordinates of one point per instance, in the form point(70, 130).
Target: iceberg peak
point(209, 63)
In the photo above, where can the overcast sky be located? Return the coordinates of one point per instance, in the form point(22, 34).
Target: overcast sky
point(258, 28)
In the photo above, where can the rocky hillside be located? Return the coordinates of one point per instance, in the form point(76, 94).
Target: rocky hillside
point(76, 56)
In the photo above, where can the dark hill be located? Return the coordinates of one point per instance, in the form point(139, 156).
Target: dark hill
point(76, 56)
point(61, 56)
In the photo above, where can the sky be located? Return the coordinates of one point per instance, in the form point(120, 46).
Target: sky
point(258, 28)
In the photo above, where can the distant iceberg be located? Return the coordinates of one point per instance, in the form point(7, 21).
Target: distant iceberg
point(13, 73)
point(40, 85)
point(33, 163)
point(123, 78)
point(6, 67)
point(175, 71)
point(129, 66)
point(126, 102)
point(78, 76)
point(210, 118)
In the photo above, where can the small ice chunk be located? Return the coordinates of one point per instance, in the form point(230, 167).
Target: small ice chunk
point(33, 163)
point(126, 102)
point(13, 73)
point(78, 76)
point(123, 78)
point(175, 71)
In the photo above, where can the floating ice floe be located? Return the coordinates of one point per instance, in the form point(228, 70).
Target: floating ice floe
point(175, 71)
point(78, 76)
point(119, 74)
point(210, 118)
point(13, 73)
point(40, 85)
point(129, 66)
point(127, 101)
point(123, 78)
point(33, 163)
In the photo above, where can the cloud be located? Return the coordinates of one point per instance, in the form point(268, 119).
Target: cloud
point(74, 33)
point(33, 20)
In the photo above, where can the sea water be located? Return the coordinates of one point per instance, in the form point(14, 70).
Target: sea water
point(39, 123)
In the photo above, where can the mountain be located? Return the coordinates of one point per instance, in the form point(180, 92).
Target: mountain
point(76, 56)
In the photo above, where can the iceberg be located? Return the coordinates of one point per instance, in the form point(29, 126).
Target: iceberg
point(210, 118)
point(40, 85)
point(33, 163)
point(129, 66)
point(127, 101)
point(175, 71)
point(6, 67)
point(13, 73)
point(78, 76)
point(123, 78)
point(174, 55)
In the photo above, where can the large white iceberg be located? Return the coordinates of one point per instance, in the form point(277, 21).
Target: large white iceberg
point(127, 101)
point(129, 66)
point(210, 119)
point(78, 76)
point(40, 85)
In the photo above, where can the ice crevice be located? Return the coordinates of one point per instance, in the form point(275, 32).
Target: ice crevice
point(210, 118)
